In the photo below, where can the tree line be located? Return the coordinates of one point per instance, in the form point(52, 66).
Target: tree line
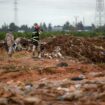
point(24, 28)
point(48, 28)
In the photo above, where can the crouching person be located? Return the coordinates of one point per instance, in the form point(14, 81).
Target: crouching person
point(9, 41)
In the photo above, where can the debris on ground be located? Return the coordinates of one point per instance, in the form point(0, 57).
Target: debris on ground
point(89, 49)
point(64, 79)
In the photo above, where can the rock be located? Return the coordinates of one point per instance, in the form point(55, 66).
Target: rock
point(63, 89)
point(16, 100)
point(42, 85)
point(78, 86)
point(90, 86)
point(28, 88)
point(3, 101)
point(32, 100)
point(62, 64)
point(70, 96)
point(76, 78)
point(101, 96)
point(82, 76)
point(72, 88)
point(96, 74)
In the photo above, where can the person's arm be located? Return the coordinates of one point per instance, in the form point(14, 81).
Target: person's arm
point(12, 37)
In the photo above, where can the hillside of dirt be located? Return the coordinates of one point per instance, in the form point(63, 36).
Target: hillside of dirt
point(74, 79)
point(89, 49)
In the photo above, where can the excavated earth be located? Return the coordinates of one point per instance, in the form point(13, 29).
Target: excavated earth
point(59, 81)
point(88, 49)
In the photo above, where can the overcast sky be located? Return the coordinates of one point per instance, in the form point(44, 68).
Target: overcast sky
point(56, 12)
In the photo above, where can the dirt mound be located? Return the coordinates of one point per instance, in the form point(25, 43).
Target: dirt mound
point(27, 81)
point(32, 81)
point(92, 49)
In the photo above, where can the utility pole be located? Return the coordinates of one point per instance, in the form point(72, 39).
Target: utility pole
point(76, 20)
point(15, 12)
point(83, 21)
point(100, 13)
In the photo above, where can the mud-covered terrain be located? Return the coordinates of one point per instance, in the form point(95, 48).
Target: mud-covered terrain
point(67, 80)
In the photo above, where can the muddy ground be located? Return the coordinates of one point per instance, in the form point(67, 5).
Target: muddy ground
point(59, 81)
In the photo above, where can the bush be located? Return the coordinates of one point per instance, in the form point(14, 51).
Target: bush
point(48, 34)
point(2, 35)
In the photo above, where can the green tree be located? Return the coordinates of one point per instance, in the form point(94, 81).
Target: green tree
point(66, 26)
point(93, 27)
point(49, 27)
point(80, 26)
point(25, 28)
point(44, 27)
point(72, 28)
point(4, 28)
point(13, 27)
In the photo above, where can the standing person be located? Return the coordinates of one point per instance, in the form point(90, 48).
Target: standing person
point(35, 41)
point(9, 40)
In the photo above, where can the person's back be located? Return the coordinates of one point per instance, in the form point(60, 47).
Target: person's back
point(9, 40)
point(35, 39)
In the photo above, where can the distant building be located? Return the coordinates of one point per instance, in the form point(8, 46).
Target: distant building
point(57, 28)
point(21, 31)
point(60, 28)
point(87, 28)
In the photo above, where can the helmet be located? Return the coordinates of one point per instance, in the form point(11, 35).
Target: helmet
point(35, 24)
